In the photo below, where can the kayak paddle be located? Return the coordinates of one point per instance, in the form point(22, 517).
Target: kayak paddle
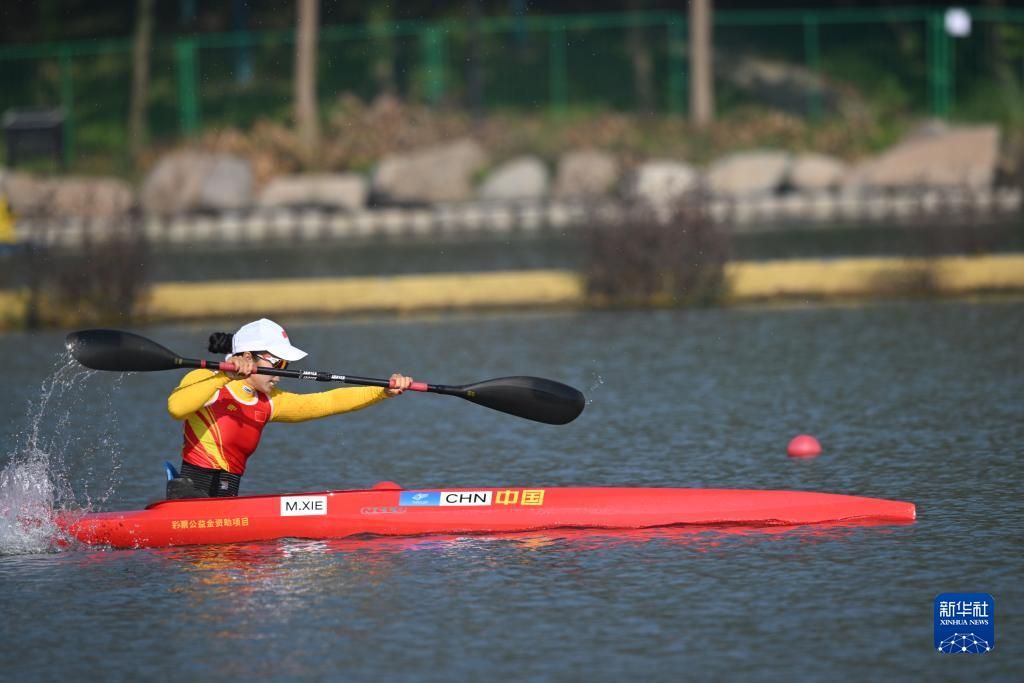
point(533, 398)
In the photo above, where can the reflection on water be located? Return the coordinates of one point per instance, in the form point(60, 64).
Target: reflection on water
point(297, 566)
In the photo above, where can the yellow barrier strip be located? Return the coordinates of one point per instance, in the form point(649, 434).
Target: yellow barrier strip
point(13, 306)
point(363, 294)
point(965, 274)
point(871, 277)
point(746, 282)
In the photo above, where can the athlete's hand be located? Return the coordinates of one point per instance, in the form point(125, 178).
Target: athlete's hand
point(399, 383)
point(244, 366)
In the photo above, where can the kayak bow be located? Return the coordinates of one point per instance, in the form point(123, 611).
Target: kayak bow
point(389, 510)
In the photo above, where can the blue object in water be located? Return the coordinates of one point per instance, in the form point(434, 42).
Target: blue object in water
point(171, 472)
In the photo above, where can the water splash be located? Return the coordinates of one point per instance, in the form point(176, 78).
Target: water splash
point(596, 381)
point(36, 481)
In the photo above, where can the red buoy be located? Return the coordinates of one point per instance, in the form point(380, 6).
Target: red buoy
point(803, 446)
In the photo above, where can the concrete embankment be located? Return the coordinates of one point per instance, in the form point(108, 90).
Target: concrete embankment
point(747, 282)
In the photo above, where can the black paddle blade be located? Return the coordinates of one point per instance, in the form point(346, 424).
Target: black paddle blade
point(119, 351)
point(534, 398)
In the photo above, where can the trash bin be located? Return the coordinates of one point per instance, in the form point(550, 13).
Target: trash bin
point(34, 133)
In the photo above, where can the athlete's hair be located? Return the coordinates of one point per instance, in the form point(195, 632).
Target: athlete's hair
point(220, 342)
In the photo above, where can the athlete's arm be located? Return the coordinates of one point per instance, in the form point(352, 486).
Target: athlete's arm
point(195, 389)
point(289, 407)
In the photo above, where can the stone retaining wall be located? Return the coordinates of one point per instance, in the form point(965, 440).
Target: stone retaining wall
point(499, 218)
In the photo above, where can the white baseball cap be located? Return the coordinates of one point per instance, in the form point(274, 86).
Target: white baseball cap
point(265, 335)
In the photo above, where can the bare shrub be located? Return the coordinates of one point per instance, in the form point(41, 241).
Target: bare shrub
point(650, 258)
point(102, 281)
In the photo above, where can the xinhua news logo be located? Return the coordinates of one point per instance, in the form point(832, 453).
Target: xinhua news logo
point(965, 623)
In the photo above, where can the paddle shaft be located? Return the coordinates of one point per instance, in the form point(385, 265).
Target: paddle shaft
point(319, 376)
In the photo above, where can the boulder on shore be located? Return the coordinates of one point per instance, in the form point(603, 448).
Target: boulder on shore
point(27, 194)
point(443, 173)
point(816, 173)
point(934, 156)
point(749, 174)
point(188, 180)
point(67, 197)
point(586, 173)
point(524, 178)
point(92, 197)
point(344, 191)
point(661, 183)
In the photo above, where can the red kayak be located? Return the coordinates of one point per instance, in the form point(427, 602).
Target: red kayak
point(389, 510)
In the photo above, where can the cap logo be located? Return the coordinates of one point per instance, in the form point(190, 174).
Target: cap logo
point(284, 334)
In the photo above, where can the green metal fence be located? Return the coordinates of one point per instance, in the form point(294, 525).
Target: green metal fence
point(898, 60)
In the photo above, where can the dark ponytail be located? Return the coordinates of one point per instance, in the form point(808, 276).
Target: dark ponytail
point(220, 342)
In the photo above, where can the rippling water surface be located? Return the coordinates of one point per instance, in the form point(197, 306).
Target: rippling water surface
point(914, 401)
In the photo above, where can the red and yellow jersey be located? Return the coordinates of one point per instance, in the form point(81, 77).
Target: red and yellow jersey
point(224, 419)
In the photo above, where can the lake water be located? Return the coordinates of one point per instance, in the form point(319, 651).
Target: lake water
point(911, 401)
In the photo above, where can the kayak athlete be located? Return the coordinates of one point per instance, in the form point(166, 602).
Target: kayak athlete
point(224, 414)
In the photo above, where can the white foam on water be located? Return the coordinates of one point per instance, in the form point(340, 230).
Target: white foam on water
point(36, 482)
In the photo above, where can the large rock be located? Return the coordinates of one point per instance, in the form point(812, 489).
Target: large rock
point(189, 181)
point(586, 173)
point(661, 183)
point(443, 173)
point(521, 178)
point(101, 198)
point(749, 174)
point(26, 194)
point(346, 191)
point(816, 172)
point(935, 156)
point(228, 184)
point(92, 197)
